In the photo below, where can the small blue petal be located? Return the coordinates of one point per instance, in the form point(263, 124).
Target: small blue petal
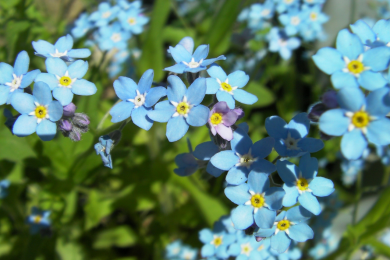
point(309, 202)
point(29, 77)
point(329, 60)
point(205, 151)
point(377, 131)
point(265, 218)
point(224, 96)
point(217, 72)
point(258, 182)
point(64, 95)
point(372, 80)
point(301, 124)
point(237, 175)
point(224, 160)
point(201, 52)
point(42, 93)
point(334, 122)
point(49, 79)
point(377, 58)
point(6, 72)
point(198, 115)
point(64, 43)
point(154, 96)
point(56, 66)
point(280, 242)
point(242, 217)
point(351, 99)
point(84, 87)
point(125, 88)
point(46, 130)
point(177, 127)
point(342, 79)
point(287, 171)
point(244, 97)
point(180, 54)
point(176, 89)
point(25, 125)
point(212, 86)
point(78, 69)
point(196, 92)
point(79, 53)
point(146, 81)
point(55, 110)
point(140, 118)
point(21, 63)
point(349, 44)
point(291, 196)
point(276, 127)
point(121, 111)
point(241, 142)
point(238, 79)
point(177, 68)
point(162, 112)
point(23, 103)
point(321, 186)
point(310, 144)
point(238, 194)
point(353, 144)
point(301, 232)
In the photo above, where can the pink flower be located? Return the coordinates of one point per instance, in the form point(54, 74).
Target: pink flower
point(221, 118)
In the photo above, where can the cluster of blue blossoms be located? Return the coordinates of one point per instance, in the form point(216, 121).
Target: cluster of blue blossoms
point(298, 19)
point(111, 27)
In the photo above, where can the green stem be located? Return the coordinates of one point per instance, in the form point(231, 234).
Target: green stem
point(175, 10)
point(100, 125)
point(358, 196)
point(276, 159)
point(353, 11)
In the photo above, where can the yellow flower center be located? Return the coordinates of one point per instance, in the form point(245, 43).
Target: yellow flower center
point(260, 248)
point(302, 184)
point(257, 201)
point(283, 224)
point(225, 86)
point(37, 219)
point(131, 21)
point(360, 119)
point(40, 111)
point(65, 81)
point(216, 118)
point(183, 108)
point(313, 16)
point(217, 241)
point(355, 67)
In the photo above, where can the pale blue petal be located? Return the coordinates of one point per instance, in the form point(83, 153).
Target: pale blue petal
point(238, 79)
point(23, 103)
point(309, 202)
point(25, 125)
point(56, 66)
point(43, 47)
point(363, 31)
point(349, 44)
point(276, 127)
point(343, 80)
point(235, 250)
point(377, 131)
point(177, 127)
point(140, 118)
point(310, 144)
point(321, 186)
point(217, 72)
point(6, 72)
point(4, 91)
point(372, 80)
point(301, 232)
point(224, 96)
point(308, 166)
point(205, 235)
point(154, 96)
point(177, 68)
point(198, 115)
point(265, 232)
point(212, 86)
point(205, 151)
point(377, 102)
point(237, 175)
point(146, 81)
point(298, 214)
point(83, 87)
point(244, 97)
point(274, 197)
point(42, 93)
point(176, 89)
point(241, 142)
point(121, 111)
point(201, 52)
point(64, 43)
point(353, 144)
point(125, 88)
point(258, 182)
point(280, 242)
point(49, 79)
point(21, 63)
point(263, 166)
point(287, 171)
point(210, 61)
point(179, 54)
point(238, 194)
point(79, 53)
point(55, 110)
point(377, 58)
point(329, 60)
point(64, 95)
point(196, 92)
point(352, 99)
point(207, 250)
point(265, 218)
point(11, 94)
point(29, 78)
point(334, 122)
point(214, 171)
point(382, 28)
point(162, 112)
point(46, 130)
point(299, 126)
point(224, 160)
point(78, 69)
point(291, 196)
point(242, 217)
point(187, 43)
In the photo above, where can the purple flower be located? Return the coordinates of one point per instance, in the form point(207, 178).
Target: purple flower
point(220, 119)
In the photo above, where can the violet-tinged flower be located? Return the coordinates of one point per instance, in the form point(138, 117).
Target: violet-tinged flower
point(220, 119)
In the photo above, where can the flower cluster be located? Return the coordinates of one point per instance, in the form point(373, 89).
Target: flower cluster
point(296, 18)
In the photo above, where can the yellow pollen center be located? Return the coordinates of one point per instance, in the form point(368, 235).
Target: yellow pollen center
point(37, 219)
point(283, 224)
point(217, 241)
point(131, 21)
point(40, 112)
point(65, 81)
point(225, 86)
point(246, 249)
point(183, 108)
point(355, 67)
point(313, 16)
point(360, 119)
point(260, 248)
point(257, 201)
point(302, 184)
point(216, 118)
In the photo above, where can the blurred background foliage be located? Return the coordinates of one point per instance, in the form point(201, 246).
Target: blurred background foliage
point(134, 210)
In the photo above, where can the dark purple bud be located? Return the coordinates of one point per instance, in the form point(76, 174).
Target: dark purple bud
point(69, 110)
point(81, 119)
point(329, 99)
point(240, 113)
point(258, 239)
point(65, 125)
point(75, 135)
point(316, 111)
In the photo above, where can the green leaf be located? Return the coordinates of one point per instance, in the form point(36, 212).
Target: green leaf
point(96, 208)
point(266, 97)
point(121, 236)
point(14, 148)
point(69, 250)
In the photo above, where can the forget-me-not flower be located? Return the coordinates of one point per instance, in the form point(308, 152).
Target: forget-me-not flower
point(125, 5)
point(103, 148)
point(61, 49)
point(373, 37)
point(112, 36)
point(133, 20)
point(359, 119)
point(285, 5)
point(280, 42)
point(288, 225)
point(221, 119)
point(247, 248)
point(38, 113)
point(350, 66)
point(244, 157)
point(104, 14)
point(215, 243)
point(38, 220)
point(82, 26)
point(302, 184)
point(292, 21)
point(15, 79)
point(4, 184)
point(173, 250)
point(65, 81)
point(291, 139)
point(137, 100)
point(257, 201)
point(228, 88)
point(182, 108)
point(188, 61)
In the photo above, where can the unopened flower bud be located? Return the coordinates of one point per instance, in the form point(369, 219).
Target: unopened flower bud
point(316, 111)
point(69, 110)
point(81, 119)
point(329, 99)
point(64, 125)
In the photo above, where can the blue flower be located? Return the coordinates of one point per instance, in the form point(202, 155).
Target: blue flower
point(186, 162)
point(188, 253)
point(38, 220)
point(104, 14)
point(319, 251)
point(215, 243)
point(82, 26)
point(257, 202)
point(302, 184)
point(290, 139)
point(246, 247)
point(173, 250)
point(228, 88)
point(65, 81)
point(244, 157)
point(126, 5)
point(15, 79)
point(204, 152)
point(104, 147)
point(257, 14)
point(285, 5)
point(280, 42)
point(314, 1)
point(188, 61)
point(288, 225)
point(293, 253)
point(359, 119)
point(372, 37)
point(38, 113)
point(292, 21)
point(137, 100)
point(61, 49)
point(132, 20)
point(112, 36)
point(4, 184)
point(182, 108)
point(350, 65)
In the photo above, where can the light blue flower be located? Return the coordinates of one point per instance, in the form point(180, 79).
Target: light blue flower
point(246, 248)
point(293, 253)
point(257, 201)
point(65, 81)
point(188, 253)
point(38, 113)
point(103, 148)
point(4, 184)
point(292, 21)
point(285, 5)
point(244, 157)
point(112, 36)
point(182, 108)
point(257, 15)
point(359, 120)
point(137, 100)
point(313, 2)
point(104, 14)
point(38, 220)
point(125, 5)
point(372, 37)
point(288, 226)
point(188, 61)
point(350, 66)
point(215, 243)
point(15, 79)
point(82, 26)
point(280, 42)
point(173, 250)
point(302, 184)
point(291, 139)
point(61, 49)
point(204, 152)
point(319, 251)
point(133, 20)
point(228, 88)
